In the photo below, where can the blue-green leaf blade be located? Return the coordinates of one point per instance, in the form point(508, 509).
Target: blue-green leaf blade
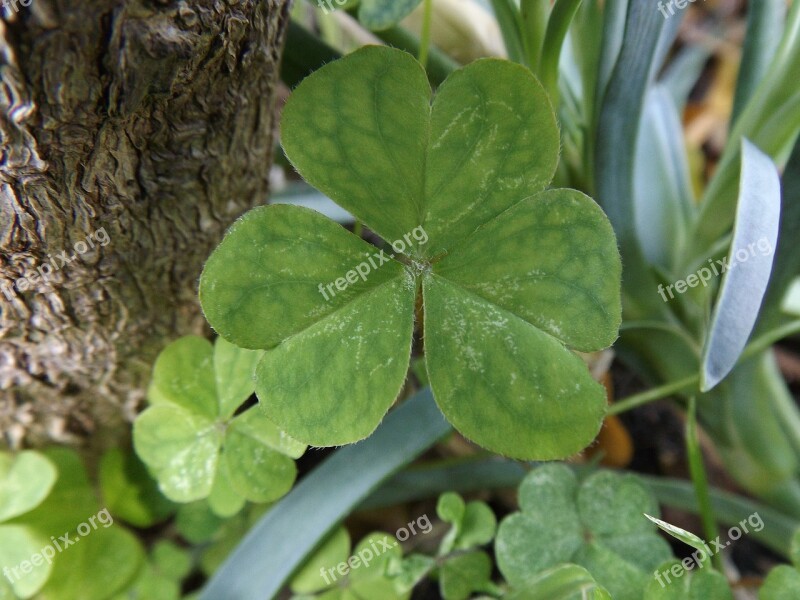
point(743, 287)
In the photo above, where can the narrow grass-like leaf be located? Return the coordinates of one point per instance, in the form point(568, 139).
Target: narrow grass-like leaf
point(509, 19)
point(765, 21)
point(744, 284)
point(382, 14)
point(615, 145)
point(687, 537)
point(557, 27)
point(787, 259)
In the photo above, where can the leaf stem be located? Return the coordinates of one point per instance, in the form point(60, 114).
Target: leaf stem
point(425, 37)
point(656, 393)
point(700, 481)
point(755, 347)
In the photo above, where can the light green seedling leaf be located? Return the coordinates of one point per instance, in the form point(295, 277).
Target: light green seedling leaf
point(450, 507)
point(597, 524)
point(411, 570)
point(314, 575)
point(94, 558)
point(372, 579)
point(474, 524)
point(370, 572)
point(782, 583)
point(193, 445)
point(19, 543)
point(464, 574)
point(102, 564)
point(564, 582)
point(511, 279)
point(477, 527)
point(25, 480)
point(697, 584)
point(161, 575)
point(383, 14)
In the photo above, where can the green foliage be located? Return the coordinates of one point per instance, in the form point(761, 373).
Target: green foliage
point(160, 576)
point(129, 492)
point(473, 524)
point(511, 277)
point(114, 553)
point(783, 582)
point(464, 574)
point(25, 481)
point(564, 582)
point(382, 14)
point(697, 584)
point(194, 445)
point(334, 574)
point(597, 524)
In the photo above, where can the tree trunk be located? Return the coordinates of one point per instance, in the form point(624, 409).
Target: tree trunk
point(134, 132)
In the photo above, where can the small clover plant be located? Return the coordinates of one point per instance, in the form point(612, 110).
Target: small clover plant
point(783, 582)
point(564, 582)
point(333, 573)
point(597, 524)
point(25, 481)
point(50, 537)
point(191, 439)
point(511, 278)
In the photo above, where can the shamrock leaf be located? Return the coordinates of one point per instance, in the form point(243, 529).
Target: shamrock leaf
point(474, 524)
point(191, 440)
point(674, 582)
point(511, 278)
point(564, 582)
point(25, 481)
point(597, 525)
point(160, 577)
point(66, 548)
point(463, 574)
point(367, 573)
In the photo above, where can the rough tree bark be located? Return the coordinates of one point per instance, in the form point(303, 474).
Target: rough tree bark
point(152, 121)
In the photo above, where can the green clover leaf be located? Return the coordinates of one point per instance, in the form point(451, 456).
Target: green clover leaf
point(369, 572)
point(101, 558)
point(699, 584)
point(598, 524)
point(511, 278)
point(473, 523)
point(194, 445)
point(25, 481)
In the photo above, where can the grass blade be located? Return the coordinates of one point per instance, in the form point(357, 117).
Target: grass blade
point(744, 284)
